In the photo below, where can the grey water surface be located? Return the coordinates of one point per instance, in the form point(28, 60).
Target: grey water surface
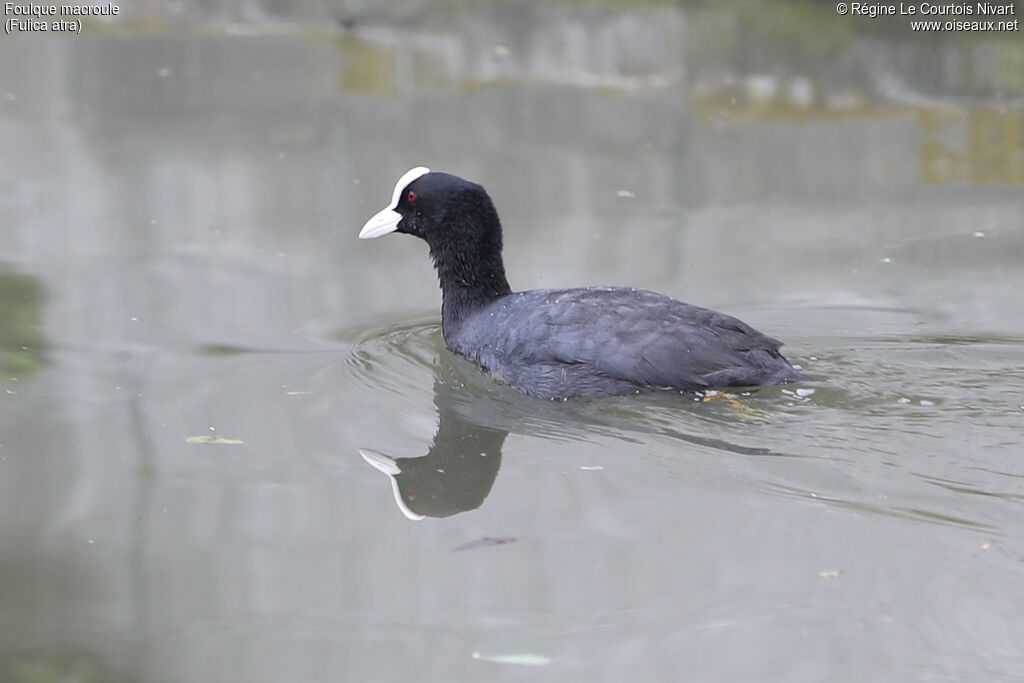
point(234, 448)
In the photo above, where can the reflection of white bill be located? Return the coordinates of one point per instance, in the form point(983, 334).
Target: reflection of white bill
point(387, 465)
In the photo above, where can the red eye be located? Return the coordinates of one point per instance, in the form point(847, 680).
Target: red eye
point(411, 196)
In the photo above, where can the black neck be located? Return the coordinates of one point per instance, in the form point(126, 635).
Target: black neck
point(469, 265)
point(466, 287)
point(466, 248)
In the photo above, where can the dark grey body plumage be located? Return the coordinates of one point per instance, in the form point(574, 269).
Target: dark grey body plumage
point(557, 343)
point(600, 341)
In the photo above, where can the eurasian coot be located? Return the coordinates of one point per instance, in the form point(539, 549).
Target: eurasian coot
point(557, 343)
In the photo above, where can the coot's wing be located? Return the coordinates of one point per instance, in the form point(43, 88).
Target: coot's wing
point(636, 337)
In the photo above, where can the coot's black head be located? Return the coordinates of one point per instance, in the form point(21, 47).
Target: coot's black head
point(437, 207)
point(460, 225)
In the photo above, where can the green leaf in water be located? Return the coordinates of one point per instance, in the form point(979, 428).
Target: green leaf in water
point(522, 659)
point(205, 438)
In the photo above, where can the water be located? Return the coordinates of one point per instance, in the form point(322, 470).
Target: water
point(180, 260)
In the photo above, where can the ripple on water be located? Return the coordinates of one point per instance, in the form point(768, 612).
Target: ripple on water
point(397, 360)
point(878, 397)
point(899, 417)
point(406, 366)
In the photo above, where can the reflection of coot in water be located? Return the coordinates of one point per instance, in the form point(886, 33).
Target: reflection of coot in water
point(460, 466)
point(557, 343)
point(455, 476)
